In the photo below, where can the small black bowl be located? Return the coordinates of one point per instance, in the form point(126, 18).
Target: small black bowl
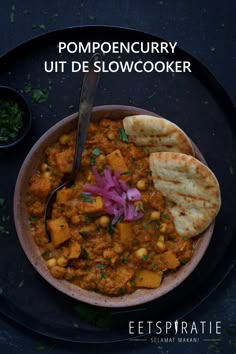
point(8, 93)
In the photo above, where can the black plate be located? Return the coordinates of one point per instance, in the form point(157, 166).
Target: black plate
point(196, 102)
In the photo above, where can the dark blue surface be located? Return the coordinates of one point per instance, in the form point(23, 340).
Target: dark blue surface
point(207, 30)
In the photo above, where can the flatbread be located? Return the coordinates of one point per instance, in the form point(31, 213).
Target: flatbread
point(157, 134)
point(191, 190)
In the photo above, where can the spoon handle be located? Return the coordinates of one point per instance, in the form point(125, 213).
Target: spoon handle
point(87, 96)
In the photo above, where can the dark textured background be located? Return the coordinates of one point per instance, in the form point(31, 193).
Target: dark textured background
point(207, 30)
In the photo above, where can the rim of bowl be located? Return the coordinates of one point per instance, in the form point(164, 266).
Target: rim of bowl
point(8, 91)
point(138, 297)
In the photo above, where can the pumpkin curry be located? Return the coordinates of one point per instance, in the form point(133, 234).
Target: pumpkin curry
point(110, 231)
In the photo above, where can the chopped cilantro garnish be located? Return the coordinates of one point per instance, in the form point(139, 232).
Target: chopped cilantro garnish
point(132, 160)
point(33, 219)
point(121, 291)
point(87, 198)
point(139, 206)
point(38, 95)
point(144, 258)
point(101, 266)
point(46, 254)
point(85, 254)
point(182, 261)
point(128, 173)
point(96, 151)
point(122, 135)
point(184, 238)
point(11, 119)
point(165, 216)
point(124, 260)
point(92, 160)
point(87, 232)
point(111, 229)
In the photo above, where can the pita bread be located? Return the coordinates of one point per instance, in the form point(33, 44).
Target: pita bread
point(157, 134)
point(191, 190)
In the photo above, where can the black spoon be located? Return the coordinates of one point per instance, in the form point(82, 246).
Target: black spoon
point(87, 96)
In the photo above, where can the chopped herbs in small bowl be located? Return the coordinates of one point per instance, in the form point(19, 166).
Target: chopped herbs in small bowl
point(15, 117)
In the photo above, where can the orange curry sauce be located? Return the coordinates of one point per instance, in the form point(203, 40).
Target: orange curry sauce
point(85, 248)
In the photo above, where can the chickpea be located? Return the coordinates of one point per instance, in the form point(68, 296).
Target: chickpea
point(108, 253)
point(101, 161)
point(44, 167)
point(89, 176)
point(141, 252)
point(46, 174)
point(103, 221)
point(161, 238)
point(142, 184)
point(70, 273)
point(58, 272)
point(118, 248)
point(111, 136)
point(163, 227)
point(155, 215)
point(64, 139)
point(62, 261)
point(161, 245)
point(75, 219)
point(101, 158)
point(51, 262)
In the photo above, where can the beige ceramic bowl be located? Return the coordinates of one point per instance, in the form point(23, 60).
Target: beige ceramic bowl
point(31, 163)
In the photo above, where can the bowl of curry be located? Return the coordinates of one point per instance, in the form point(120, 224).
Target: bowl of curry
point(113, 241)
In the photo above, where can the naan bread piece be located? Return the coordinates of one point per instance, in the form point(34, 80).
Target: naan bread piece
point(191, 190)
point(157, 134)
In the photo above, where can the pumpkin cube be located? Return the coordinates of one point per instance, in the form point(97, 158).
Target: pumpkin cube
point(126, 234)
point(95, 206)
point(59, 230)
point(64, 160)
point(148, 279)
point(117, 162)
point(166, 260)
point(64, 194)
point(74, 250)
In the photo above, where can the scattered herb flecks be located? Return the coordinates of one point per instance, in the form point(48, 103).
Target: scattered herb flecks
point(124, 260)
point(165, 216)
point(87, 198)
point(185, 238)
point(122, 135)
point(96, 151)
point(11, 119)
point(92, 160)
point(98, 317)
point(37, 94)
point(111, 227)
point(4, 219)
point(182, 261)
point(85, 254)
point(126, 173)
point(21, 284)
